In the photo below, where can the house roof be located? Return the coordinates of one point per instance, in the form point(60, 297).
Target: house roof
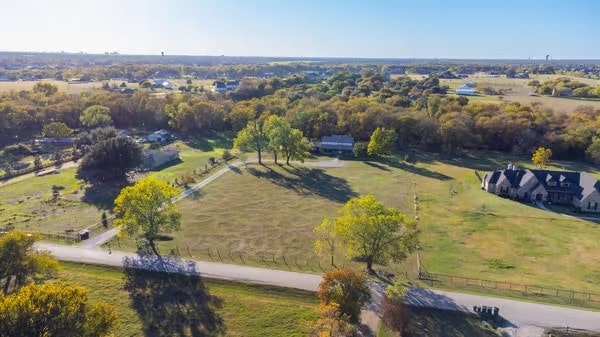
point(337, 142)
point(156, 158)
point(580, 184)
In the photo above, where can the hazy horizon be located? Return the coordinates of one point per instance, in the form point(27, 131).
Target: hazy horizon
point(386, 29)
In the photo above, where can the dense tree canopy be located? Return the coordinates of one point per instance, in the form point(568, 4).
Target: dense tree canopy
point(351, 99)
point(56, 129)
point(55, 309)
point(95, 116)
point(113, 156)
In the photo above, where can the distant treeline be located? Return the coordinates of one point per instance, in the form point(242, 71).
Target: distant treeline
point(345, 103)
point(30, 66)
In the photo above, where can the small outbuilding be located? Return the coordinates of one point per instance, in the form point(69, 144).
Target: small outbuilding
point(334, 144)
point(155, 158)
point(465, 90)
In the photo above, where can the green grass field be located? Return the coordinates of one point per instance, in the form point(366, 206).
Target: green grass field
point(28, 205)
point(465, 231)
point(269, 212)
point(150, 304)
point(518, 91)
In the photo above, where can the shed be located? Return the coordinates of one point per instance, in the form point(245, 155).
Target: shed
point(340, 144)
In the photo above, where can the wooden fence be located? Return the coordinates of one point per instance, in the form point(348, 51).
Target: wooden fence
point(532, 290)
point(16, 173)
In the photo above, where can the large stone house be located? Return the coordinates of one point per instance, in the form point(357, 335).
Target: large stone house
point(577, 189)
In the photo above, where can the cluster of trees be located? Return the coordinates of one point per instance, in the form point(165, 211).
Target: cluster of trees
point(274, 134)
point(564, 86)
point(106, 153)
point(346, 103)
point(29, 308)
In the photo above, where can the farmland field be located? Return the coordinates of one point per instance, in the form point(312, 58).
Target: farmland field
point(147, 302)
point(518, 91)
point(270, 211)
point(75, 88)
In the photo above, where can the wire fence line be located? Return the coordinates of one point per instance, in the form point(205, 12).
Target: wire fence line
point(533, 290)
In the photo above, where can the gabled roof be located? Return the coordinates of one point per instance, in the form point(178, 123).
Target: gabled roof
point(588, 184)
point(337, 142)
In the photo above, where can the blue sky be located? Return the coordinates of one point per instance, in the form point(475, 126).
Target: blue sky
point(331, 28)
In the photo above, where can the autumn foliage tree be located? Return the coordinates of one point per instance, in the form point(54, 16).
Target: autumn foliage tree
point(55, 309)
point(541, 156)
point(252, 138)
point(347, 289)
point(19, 262)
point(381, 142)
point(146, 209)
point(373, 233)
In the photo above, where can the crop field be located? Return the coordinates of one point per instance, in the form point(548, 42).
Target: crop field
point(270, 211)
point(149, 303)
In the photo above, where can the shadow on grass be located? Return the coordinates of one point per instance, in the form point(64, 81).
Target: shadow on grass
point(101, 192)
point(170, 298)
point(399, 164)
point(209, 141)
point(308, 181)
point(377, 166)
point(166, 165)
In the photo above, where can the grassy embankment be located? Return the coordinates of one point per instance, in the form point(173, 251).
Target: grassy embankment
point(149, 302)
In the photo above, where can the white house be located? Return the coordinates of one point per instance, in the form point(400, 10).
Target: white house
point(465, 90)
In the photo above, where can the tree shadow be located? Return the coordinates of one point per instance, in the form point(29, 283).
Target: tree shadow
point(436, 312)
point(308, 181)
point(100, 192)
point(170, 297)
point(408, 167)
point(377, 166)
point(209, 141)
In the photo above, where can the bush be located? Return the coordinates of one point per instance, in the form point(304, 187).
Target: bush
point(395, 315)
point(227, 156)
point(19, 150)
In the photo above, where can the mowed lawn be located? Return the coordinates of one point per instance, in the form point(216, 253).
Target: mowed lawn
point(271, 210)
point(185, 306)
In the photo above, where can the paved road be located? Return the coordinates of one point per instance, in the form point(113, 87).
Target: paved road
point(516, 313)
point(190, 267)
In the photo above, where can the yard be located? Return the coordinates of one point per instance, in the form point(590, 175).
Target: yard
point(30, 205)
point(186, 306)
point(267, 212)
